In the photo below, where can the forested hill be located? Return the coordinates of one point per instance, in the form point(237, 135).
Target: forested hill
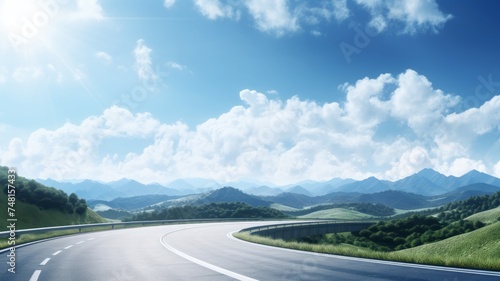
point(36, 205)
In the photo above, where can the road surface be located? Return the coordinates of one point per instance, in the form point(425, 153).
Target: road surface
point(200, 252)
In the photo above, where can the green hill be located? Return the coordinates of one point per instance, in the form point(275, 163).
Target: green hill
point(477, 247)
point(336, 213)
point(36, 205)
point(489, 216)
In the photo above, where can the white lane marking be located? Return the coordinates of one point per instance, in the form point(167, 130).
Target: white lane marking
point(206, 264)
point(56, 253)
point(80, 242)
point(35, 275)
point(68, 247)
point(90, 239)
point(394, 263)
point(45, 261)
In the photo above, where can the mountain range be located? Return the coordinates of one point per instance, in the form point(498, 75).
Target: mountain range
point(426, 183)
point(289, 201)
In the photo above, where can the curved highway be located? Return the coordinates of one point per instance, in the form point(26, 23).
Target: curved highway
point(200, 252)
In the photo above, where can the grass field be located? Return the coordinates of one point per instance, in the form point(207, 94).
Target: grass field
point(280, 207)
point(480, 248)
point(336, 213)
point(487, 217)
point(477, 249)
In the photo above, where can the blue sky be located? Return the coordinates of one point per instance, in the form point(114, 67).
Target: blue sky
point(277, 91)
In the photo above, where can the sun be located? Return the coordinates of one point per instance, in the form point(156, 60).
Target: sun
point(25, 23)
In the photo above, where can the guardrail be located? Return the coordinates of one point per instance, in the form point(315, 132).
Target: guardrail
point(112, 225)
point(297, 230)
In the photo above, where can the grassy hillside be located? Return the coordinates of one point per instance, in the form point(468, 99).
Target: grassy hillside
point(336, 213)
point(30, 216)
point(466, 249)
point(487, 217)
point(282, 208)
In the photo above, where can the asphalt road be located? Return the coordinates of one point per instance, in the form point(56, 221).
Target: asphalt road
point(200, 252)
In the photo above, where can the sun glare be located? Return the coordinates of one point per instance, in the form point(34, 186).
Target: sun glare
point(25, 23)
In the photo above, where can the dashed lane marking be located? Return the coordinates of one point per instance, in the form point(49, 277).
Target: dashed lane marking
point(45, 261)
point(35, 275)
point(56, 253)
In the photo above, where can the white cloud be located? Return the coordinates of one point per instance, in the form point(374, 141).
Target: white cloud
point(316, 33)
point(461, 166)
point(410, 162)
point(88, 10)
point(214, 9)
point(417, 15)
point(143, 62)
point(364, 107)
point(418, 104)
point(272, 16)
point(476, 121)
point(496, 170)
point(281, 141)
point(314, 14)
point(168, 3)
point(104, 56)
point(340, 10)
point(176, 66)
point(414, 15)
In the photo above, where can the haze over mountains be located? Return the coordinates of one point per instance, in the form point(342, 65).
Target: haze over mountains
point(424, 183)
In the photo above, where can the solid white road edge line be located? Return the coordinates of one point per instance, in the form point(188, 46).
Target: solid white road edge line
point(35, 275)
point(45, 261)
point(394, 263)
point(206, 264)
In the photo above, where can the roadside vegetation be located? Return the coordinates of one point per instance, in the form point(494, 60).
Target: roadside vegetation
point(459, 234)
point(459, 251)
point(43, 197)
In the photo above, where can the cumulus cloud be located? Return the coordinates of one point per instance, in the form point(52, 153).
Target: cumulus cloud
point(416, 102)
point(272, 16)
point(281, 141)
point(415, 15)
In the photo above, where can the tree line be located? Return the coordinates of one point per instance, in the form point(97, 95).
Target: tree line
point(417, 229)
point(207, 211)
point(32, 192)
point(399, 234)
point(475, 204)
